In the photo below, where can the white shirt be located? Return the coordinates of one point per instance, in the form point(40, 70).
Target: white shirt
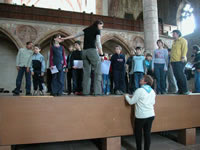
point(144, 103)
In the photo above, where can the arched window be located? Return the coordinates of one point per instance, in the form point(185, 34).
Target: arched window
point(187, 24)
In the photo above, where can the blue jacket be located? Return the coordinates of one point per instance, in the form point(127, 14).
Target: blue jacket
point(38, 63)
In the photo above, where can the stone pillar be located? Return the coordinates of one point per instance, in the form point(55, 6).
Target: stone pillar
point(196, 6)
point(151, 30)
point(105, 8)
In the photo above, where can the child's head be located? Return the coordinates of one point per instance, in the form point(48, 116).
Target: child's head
point(118, 49)
point(196, 49)
point(37, 49)
point(132, 52)
point(138, 51)
point(71, 48)
point(77, 45)
point(148, 57)
point(29, 45)
point(147, 79)
point(160, 43)
point(56, 39)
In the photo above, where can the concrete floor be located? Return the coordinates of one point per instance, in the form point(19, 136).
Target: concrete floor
point(128, 143)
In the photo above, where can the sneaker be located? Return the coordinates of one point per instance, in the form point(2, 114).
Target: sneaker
point(35, 93)
point(121, 93)
point(108, 93)
point(15, 94)
point(117, 92)
point(28, 94)
point(187, 93)
point(41, 93)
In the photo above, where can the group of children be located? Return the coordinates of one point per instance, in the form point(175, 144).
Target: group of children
point(31, 62)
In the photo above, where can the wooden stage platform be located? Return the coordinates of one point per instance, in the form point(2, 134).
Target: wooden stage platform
point(26, 120)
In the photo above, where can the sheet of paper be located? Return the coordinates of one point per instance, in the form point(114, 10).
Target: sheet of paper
point(105, 67)
point(78, 64)
point(54, 70)
point(189, 65)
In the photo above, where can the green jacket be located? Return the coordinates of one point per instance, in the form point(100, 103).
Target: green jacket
point(24, 57)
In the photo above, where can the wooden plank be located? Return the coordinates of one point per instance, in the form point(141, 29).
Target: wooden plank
point(187, 136)
point(113, 143)
point(25, 120)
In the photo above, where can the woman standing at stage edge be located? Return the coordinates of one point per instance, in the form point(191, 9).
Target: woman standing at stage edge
point(90, 55)
point(144, 100)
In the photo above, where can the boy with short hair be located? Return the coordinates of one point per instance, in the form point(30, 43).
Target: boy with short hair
point(118, 69)
point(23, 64)
point(77, 73)
point(138, 67)
point(37, 70)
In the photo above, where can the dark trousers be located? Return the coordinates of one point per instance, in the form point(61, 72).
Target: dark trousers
point(131, 84)
point(137, 77)
point(119, 80)
point(20, 75)
point(37, 81)
point(179, 73)
point(77, 75)
point(49, 79)
point(69, 80)
point(160, 76)
point(143, 125)
point(57, 83)
point(111, 82)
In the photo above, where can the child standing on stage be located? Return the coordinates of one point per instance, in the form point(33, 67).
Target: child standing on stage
point(160, 66)
point(118, 68)
point(23, 64)
point(106, 80)
point(138, 67)
point(77, 73)
point(57, 58)
point(69, 70)
point(37, 70)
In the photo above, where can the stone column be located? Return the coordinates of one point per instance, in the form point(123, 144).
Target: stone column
point(196, 6)
point(151, 30)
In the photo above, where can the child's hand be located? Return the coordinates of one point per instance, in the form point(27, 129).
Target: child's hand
point(18, 68)
point(32, 73)
point(27, 69)
point(74, 67)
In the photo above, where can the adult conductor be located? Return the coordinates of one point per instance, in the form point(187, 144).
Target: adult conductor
point(92, 50)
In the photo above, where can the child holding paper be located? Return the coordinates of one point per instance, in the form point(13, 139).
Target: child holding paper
point(37, 70)
point(57, 58)
point(77, 69)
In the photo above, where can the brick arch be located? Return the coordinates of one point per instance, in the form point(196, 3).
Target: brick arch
point(52, 33)
point(138, 41)
point(118, 39)
point(16, 41)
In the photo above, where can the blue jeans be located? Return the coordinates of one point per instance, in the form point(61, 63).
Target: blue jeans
point(106, 83)
point(137, 77)
point(20, 75)
point(179, 73)
point(197, 81)
point(160, 75)
point(57, 83)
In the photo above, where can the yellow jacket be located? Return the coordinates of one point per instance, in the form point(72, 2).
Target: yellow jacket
point(179, 50)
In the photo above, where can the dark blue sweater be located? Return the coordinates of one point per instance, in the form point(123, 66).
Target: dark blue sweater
point(118, 62)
